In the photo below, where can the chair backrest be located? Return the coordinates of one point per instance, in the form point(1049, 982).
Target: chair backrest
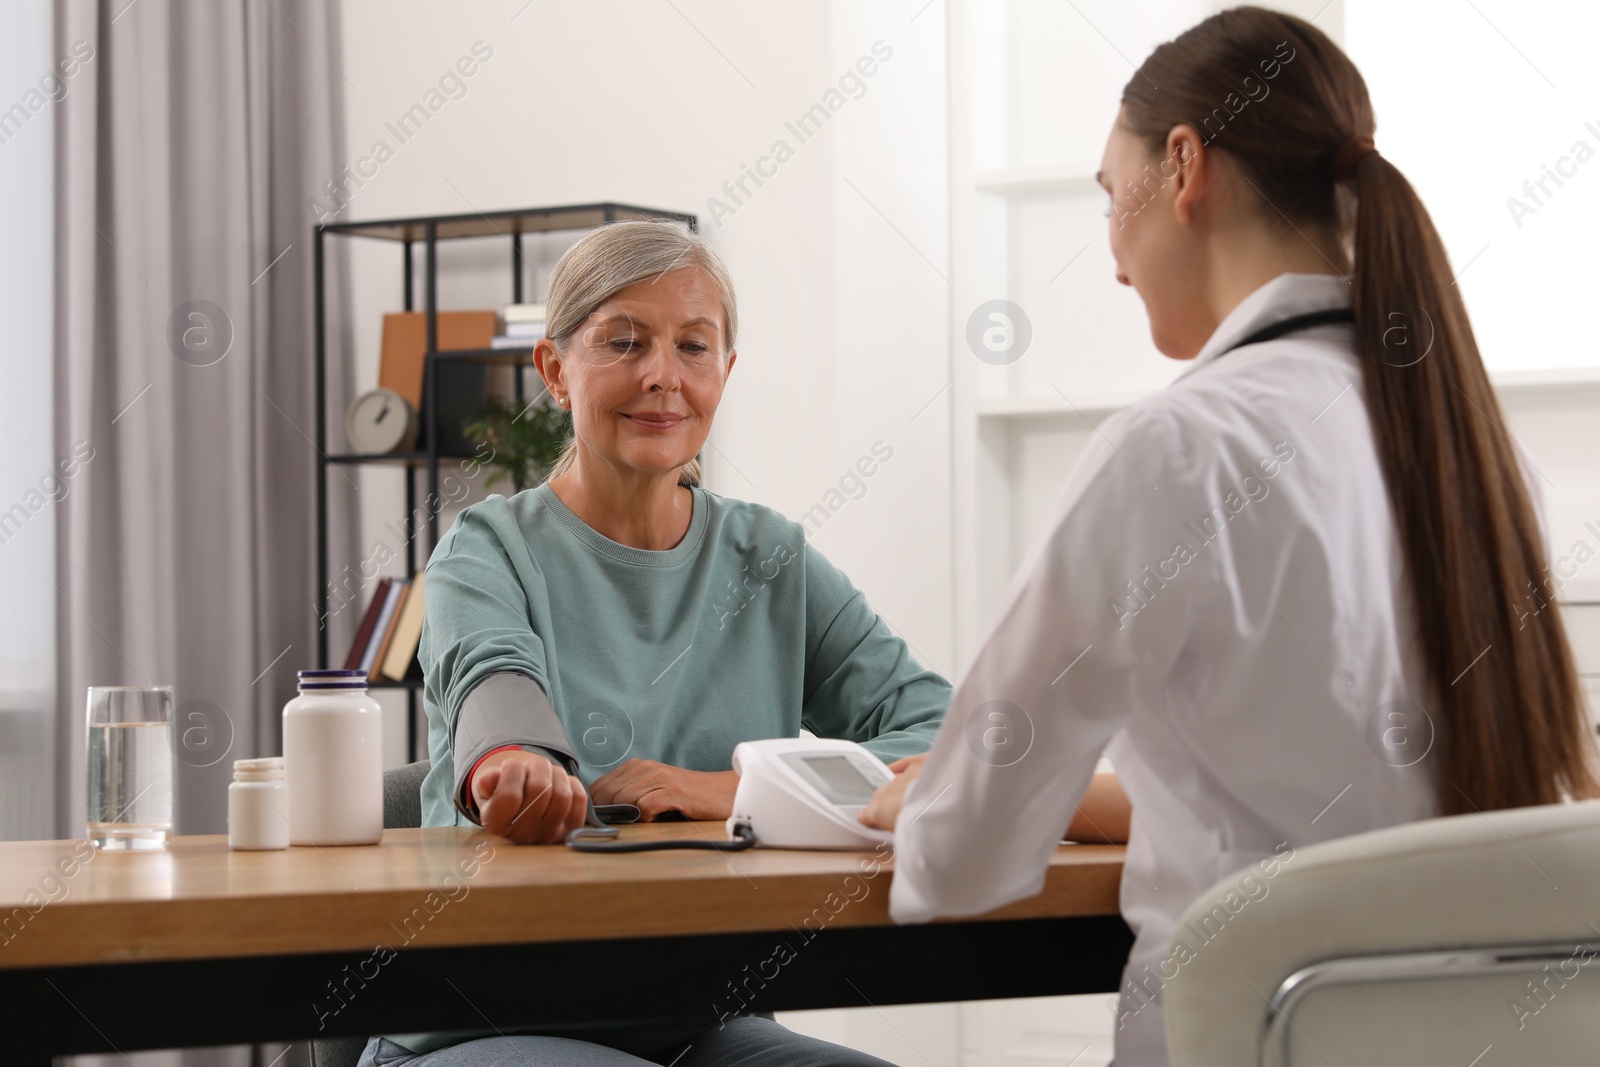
point(402, 795)
point(402, 807)
point(337, 1051)
point(1421, 944)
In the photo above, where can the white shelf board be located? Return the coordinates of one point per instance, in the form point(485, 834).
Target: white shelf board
point(1097, 403)
point(1546, 378)
point(1024, 181)
point(1014, 407)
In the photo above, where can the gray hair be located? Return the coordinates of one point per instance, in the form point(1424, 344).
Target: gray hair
point(606, 261)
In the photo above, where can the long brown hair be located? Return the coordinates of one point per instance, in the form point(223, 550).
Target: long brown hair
point(1278, 96)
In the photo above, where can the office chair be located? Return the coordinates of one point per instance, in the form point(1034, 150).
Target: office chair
point(402, 807)
point(1431, 943)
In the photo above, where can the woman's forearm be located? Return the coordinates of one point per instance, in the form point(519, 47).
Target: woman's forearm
point(1103, 814)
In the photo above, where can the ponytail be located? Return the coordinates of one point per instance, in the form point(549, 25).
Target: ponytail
point(1513, 730)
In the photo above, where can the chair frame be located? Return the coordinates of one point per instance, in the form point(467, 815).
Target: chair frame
point(1409, 966)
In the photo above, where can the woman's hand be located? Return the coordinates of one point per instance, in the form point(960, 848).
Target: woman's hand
point(655, 788)
point(883, 810)
point(528, 799)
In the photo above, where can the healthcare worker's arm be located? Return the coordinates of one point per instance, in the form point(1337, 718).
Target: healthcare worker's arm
point(861, 681)
point(1104, 814)
point(1102, 818)
point(1067, 660)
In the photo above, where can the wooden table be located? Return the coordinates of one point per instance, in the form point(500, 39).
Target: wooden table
point(198, 945)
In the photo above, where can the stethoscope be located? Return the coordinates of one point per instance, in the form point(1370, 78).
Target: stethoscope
point(1293, 324)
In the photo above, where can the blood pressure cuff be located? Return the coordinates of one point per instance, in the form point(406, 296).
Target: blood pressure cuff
point(506, 709)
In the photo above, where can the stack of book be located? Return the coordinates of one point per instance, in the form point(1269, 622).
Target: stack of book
point(386, 644)
point(524, 324)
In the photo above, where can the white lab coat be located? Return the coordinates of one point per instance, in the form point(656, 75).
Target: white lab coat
point(1238, 668)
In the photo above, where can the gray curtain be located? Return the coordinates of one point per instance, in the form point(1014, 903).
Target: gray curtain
point(187, 151)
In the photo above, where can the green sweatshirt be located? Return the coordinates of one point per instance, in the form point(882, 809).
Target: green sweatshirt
point(741, 631)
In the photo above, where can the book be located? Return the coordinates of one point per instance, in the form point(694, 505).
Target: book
point(401, 360)
point(523, 313)
point(407, 633)
point(380, 632)
point(358, 647)
point(383, 635)
point(513, 342)
point(533, 329)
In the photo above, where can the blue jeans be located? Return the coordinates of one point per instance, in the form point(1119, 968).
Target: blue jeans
point(744, 1039)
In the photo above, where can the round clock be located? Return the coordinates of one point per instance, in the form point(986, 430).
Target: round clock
point(380, 421)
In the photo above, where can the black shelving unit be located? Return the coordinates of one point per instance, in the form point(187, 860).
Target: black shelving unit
point(429, 230)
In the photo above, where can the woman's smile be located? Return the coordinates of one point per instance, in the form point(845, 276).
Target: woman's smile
point(655, 421)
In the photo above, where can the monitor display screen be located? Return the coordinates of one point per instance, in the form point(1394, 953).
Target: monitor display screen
point(845, 784)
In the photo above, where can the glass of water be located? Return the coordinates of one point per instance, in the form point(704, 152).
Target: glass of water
point(130, 766)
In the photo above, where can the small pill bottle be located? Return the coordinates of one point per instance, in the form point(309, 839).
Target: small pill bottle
point(258, 804)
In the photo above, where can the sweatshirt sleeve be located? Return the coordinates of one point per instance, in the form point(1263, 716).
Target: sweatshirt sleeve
point(861, 682)
point(479, 649)
point(505, 709)
point(1059, 672)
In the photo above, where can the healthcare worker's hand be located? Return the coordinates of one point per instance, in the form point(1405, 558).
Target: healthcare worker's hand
point(1104, 816)
point(883, 810)
point(528, 799)
point(655, 788)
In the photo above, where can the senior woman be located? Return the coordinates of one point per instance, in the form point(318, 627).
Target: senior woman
point(616, 631)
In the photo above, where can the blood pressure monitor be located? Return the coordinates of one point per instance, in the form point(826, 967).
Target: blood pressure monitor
point(805, 792)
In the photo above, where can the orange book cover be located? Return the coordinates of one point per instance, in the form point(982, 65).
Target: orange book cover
point(405, 344)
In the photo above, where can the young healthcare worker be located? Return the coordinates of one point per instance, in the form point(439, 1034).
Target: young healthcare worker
point(1300, 592)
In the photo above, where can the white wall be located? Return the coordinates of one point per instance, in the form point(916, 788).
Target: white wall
point(840, 258)
point(1510, 172)
point(841, 337)
point(1501, 94)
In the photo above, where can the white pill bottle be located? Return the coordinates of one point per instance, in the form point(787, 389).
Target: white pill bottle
point(258, 804)
point(333, 760)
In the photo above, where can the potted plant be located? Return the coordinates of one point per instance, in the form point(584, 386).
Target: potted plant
point(526, 439)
